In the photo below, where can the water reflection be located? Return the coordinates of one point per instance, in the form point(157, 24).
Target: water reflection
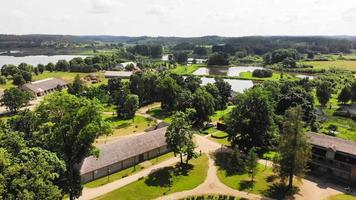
point(224, 71)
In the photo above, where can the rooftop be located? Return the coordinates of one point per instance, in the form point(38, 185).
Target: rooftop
point(118, 73)
point(337, 144)
point(120, 150)
point(44, 85)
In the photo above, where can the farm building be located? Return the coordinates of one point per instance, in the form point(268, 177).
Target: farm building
point(118, 74)
point(121, 154)
point(333, 157)
point(45, 86)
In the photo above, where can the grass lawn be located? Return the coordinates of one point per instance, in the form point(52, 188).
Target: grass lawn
point(220, 114)
point(128, 171)
point(338, 64)
point(222, 141)
point(67, 76)
point(185, 70)
point(275, 76)
point(342, 197)
point(242, 181)
point(346, 126)
point(125, 127)
point(160, 114)
point(165, 181)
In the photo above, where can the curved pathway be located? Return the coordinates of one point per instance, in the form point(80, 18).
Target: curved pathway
point(212, 184)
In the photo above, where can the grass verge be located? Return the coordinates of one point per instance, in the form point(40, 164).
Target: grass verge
point(165, 181)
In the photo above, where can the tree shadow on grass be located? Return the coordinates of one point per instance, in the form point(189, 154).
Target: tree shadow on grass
point(271, 178)
point(221, 158)
point(164, 177)
point(124, 125)
point(280, 191)
point(246, 185)
point(160, 178)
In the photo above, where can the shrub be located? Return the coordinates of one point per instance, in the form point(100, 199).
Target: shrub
point(2, 80)
point(262, 73)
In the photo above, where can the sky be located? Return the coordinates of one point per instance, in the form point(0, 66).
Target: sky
point(187, 18)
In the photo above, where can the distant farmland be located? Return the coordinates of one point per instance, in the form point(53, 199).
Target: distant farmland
point(338, 64)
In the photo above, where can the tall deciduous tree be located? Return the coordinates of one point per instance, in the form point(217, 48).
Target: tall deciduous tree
point(168, 91)
point(251, 123)
point(71, 125)
point(224, 91)
point(345, 95)
point(251, 163)
point(203, 103)
point(179, 137)
point(77, 87)
point(323, 92)
point(15, 98)
point(293, 148)
point(27, 172)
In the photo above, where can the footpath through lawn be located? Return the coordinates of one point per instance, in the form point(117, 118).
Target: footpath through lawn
point(164, 181)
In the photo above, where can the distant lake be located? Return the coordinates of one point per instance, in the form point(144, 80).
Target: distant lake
point(35, 60)
point(236, 85)
point(224, 71)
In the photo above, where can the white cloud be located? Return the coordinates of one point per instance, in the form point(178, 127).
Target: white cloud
point(156, 10)
point(350, 15)
point(103, 6)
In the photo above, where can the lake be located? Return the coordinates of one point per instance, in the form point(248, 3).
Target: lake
point(224, 71)
point(35, 60)
point(236, 85)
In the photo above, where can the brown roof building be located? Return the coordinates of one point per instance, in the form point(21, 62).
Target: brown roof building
point(44, 86)
point(333, 157)
point(120, 154)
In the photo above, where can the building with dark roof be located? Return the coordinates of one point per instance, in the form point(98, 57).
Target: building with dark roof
point(121, 154)
point(44, 86)
point(333, 157)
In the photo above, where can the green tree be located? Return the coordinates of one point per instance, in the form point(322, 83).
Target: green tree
point(192, 82)
point(50, 67)
point(353, 91)
point(2, 80)
point(129, 107)
point(168, 91)
point(179, 137)
point(41, 68)
point(15, 98)
point(18, 79)
point(71, 125)
point(27, 76)
point(203, 103)
point(218, 59)
point(9, 70)
point(345, 95)
point(251, 163)
point(251, 122)
point(294, 151)
point(224, 92)
point(27, 172)
point(323, 92)
point(77, 87)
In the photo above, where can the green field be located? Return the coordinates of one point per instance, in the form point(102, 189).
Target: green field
point(160, 114)
point(128, 171)
point(342, 197)
point(67, 76)
point(275, 76)
point(185, 70)
point(337, 64)
point(242, 181)
point(125, 127)
point(165, 181)
point(346, 126)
